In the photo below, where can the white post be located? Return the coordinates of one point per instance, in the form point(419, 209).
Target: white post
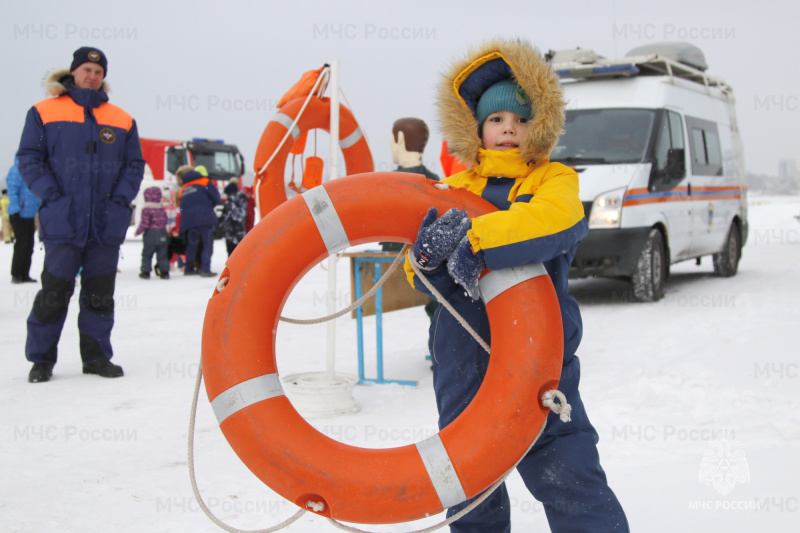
point(333, 172)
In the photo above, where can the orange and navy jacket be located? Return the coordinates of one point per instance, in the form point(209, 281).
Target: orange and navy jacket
point(198, 198)
point(81, 155)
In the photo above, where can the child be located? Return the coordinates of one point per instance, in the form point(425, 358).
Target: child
point(8, 234)
point(234, 216)
point(154, 226)
point(502, 111)
point(198, 198)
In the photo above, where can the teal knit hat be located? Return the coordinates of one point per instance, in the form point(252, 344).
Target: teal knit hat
point(504, 95)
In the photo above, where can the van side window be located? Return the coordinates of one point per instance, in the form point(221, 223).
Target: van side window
point(668, 152)
point(698, 148)
point(676, 128)
point(705, 147)
point(663, 144)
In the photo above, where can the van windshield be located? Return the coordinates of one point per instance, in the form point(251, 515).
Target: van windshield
point(604, 136)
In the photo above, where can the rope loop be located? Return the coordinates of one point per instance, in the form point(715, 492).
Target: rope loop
point(562, 408)
point(221, 284)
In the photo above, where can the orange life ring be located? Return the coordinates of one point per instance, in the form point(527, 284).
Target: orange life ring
point(270, 185)
point(356, 484)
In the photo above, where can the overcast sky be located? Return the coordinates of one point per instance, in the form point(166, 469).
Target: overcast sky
point(216, 69)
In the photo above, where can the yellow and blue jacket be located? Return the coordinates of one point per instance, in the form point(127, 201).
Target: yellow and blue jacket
point(540, 217)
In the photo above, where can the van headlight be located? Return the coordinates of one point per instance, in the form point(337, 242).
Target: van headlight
point(606, 210)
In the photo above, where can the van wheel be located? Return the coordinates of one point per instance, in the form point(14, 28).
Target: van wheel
point(726, 263)
point(650, 275)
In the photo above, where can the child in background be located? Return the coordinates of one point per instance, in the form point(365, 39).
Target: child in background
point(234, 215)
point(502, 111)
point(154, 227)
point(8, 233)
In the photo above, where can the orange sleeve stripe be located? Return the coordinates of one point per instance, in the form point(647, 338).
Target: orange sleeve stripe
point(111, 115)
point(61, 109)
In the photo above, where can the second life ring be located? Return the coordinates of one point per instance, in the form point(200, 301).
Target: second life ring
point(270, 186)
point(350, 483)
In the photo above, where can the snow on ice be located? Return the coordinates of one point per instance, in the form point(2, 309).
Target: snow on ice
point(695, 398)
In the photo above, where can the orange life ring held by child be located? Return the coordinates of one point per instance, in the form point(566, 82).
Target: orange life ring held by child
point(270, 185)
point(355, 484)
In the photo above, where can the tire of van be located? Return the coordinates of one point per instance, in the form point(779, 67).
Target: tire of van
point(650, 276)
point(726, 263)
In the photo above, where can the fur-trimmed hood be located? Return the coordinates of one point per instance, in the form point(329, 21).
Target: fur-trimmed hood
point(468, 78)
point(60, 81)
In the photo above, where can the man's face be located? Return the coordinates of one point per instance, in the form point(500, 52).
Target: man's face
point(88, 76)
point(504, 130)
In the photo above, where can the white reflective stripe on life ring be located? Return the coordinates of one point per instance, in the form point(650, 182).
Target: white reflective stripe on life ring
point(497, 282)
point(351, 139)
point(327, 219)
point(440, 469)
point(245, 394)
point(286, 121)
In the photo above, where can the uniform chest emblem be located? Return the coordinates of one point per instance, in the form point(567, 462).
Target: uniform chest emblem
point(107, 135)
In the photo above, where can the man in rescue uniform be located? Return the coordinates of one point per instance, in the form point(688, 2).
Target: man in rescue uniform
point(502, 111)
point(81, 155)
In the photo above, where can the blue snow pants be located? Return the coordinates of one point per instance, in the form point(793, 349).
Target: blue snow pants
point(194, 237)
point(96, 316)
point(562, 470)
point(154, 242)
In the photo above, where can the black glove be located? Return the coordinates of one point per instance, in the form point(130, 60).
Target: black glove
point(438, 237)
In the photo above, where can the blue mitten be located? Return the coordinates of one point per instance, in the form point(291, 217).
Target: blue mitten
point(465, 267)
point(438, 237)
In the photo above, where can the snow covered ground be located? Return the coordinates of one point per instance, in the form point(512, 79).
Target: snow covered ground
point(708, 376)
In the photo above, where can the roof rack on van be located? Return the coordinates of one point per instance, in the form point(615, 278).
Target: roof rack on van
point(676, 60)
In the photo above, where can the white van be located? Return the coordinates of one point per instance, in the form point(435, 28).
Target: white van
point(655, 143)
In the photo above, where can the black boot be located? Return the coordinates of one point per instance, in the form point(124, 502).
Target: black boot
point(103, 368)
point(144, 275)
point(40, 372)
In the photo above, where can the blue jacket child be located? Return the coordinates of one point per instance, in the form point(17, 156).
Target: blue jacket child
point(23, 207)
point(198, 198)
point(501, 110)
point(20, 198)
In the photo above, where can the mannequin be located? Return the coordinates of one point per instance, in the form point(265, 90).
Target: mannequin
point(409, 137)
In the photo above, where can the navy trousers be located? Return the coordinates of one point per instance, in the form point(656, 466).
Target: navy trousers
point(24, 230)
point(96, 316)
point(194, 237)
point(154, 242)
point(562, 470)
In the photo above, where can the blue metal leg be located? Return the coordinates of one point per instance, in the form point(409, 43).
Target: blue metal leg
point(357, 266)
point(379, 320)
point(360, 263)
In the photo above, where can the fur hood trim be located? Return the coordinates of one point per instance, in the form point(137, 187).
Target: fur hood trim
point(59, 81)
point(467, 79)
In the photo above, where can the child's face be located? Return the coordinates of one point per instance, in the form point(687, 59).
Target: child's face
point(504, 130)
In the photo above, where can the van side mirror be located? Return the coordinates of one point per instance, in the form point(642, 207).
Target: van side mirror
point(676, 164)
